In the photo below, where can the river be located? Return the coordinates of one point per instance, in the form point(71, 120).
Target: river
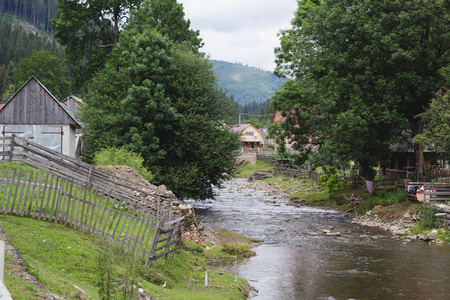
point(296, 260)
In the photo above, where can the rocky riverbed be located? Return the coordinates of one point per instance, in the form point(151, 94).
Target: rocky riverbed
point(398, 221)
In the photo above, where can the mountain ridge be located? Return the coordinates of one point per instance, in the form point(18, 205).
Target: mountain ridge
point(246, 84)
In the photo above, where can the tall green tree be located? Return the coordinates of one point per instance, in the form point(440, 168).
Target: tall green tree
point(167, 17)
point(48, 69)
point(363, 71)
point(159, 99)
point(436, 135)
point(90, 30)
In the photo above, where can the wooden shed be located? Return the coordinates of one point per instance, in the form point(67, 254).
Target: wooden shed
point(34, 113)
point(73, 104)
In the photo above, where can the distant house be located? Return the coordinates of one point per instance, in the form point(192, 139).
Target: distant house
point(403, 162)
point(277, 117)
point(267, 141)
point(34, 113)
point(73, 104)
point(251, 137)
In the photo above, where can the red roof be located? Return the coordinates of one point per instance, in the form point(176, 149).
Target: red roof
point(238, 128)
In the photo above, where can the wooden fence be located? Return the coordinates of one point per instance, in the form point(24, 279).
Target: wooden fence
point(266, 157)
point(135, 217)
point(293, 172)
point(432, 191)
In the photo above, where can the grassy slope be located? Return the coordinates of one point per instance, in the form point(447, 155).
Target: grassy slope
point(63, 259)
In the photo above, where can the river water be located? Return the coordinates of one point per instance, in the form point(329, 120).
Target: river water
point(296, 260)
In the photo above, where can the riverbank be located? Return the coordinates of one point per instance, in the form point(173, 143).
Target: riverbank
point(383, 211)
point(45, 260)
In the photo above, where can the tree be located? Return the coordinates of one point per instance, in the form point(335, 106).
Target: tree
point(437, 124)
point(363, 71)
point(90, 30)
point(48, 69)
point(160, 100)
point(166, 17)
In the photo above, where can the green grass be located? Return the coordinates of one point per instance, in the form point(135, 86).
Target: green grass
point(41, 203)
point(247, 169)
point(302, 189)
point(62, 258)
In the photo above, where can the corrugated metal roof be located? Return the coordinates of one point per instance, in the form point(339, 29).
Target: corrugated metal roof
point(238, 128)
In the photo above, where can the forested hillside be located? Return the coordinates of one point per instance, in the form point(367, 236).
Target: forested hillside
point(36, 12)
point(17, 41)
point(246, 84)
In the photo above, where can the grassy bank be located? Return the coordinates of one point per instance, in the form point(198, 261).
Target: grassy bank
point(66, 261)
point(75, 265)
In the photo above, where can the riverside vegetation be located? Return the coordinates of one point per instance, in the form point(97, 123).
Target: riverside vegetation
point(45, 259)
point(382, 206)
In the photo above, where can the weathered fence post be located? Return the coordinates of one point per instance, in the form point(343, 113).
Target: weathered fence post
point(11, 147)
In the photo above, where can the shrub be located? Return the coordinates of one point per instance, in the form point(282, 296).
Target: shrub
point(396, 197)
point(121, 157)
point(429, 220)
point(333, 184)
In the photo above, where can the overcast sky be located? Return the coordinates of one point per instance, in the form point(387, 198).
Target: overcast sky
point(243, 31)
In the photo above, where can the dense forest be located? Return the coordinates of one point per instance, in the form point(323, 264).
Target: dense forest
point(246, 84)
point(17, 43)
point(39, 13)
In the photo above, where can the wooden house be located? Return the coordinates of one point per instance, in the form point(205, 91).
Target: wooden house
point(73, 104)
point(403, 161)
point(251, 137)
point(34, 113)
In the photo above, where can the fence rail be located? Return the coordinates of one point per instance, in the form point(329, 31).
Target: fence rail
point(135, 217)
point(266, 157)
point(293, 172)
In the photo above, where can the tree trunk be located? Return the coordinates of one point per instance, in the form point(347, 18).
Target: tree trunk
point(420, 171)
point(365, 170)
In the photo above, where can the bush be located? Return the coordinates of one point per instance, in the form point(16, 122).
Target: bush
point(429, 220)
point(396, 197)
point(333, 184)
point(121, 157)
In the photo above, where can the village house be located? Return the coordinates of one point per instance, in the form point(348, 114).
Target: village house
point(73, 104)
point(34, 113)
point(251, 137)
point(403, 162)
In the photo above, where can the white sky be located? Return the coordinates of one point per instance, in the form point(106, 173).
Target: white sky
point(243, 31)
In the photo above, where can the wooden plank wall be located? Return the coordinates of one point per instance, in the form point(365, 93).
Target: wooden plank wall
point(89, 201)
point(33, 104)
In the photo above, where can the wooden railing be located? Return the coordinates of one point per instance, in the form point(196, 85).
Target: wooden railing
point(433, 191)
point(266, 157)
point(67, 191)
point(293, 172)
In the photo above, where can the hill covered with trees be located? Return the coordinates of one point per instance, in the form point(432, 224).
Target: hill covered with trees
point(246, 84)
point(37, 13)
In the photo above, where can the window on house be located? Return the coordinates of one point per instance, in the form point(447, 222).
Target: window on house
point(249, 133)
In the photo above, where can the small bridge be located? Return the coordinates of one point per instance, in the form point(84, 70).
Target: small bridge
point(64, 190)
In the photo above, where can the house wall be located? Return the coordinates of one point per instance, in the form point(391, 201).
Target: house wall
point(251, 134)
point(32, 104)
point(59, 138)
point(72, 106)
point(69, 141)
